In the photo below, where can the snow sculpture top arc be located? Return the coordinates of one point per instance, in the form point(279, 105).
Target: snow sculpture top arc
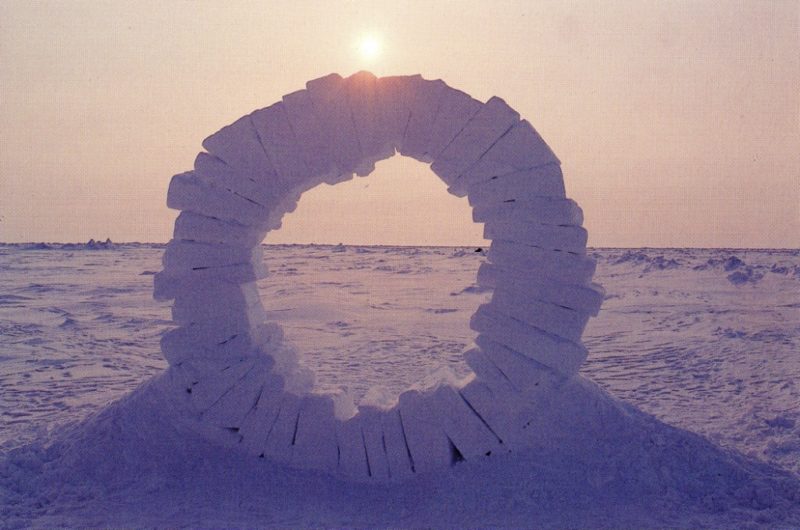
point(228, 366)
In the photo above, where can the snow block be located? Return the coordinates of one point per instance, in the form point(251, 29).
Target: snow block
point(557, 265)
point(188, 192)
point(231, 409)
point(535, 381)
point(259, 421)
point(551, 237)
point(212, 383)
point(511, 414)
point(237, 273)
point(456, 109)
point(195, 338)
point(372, 123)
point(544, 210)
point(561, 321)
point(182, 255)
point(463, 425)
point(213, 341)
point(493, 409)
point(526, 375)
point(239, 146)
point(499, 402)
point(486, 370)
point(329, 97)
point(520, 148)
point(217, 173)
point(167, 285)
point(582, 298)
point(352, 449)
point(509, 376)
point(398, 455)
point(312, 140)
point(561, 355)
point(282, 437)
point(198, 369)
point(374, 442)
point(231, 334)
point(202, 229)
point(490, 123)
point(545, 181)
point(518, 374)
point(424, 105)
point(315, 440)
point(430, 448)
point(395, 96)
point(281, 145)
point(219, 301)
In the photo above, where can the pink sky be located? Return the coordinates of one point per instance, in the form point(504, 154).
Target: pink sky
point(677, 122)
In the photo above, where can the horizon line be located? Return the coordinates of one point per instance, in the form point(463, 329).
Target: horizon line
point(153, 243)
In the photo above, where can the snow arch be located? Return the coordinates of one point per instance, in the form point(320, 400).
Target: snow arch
point(228, 366)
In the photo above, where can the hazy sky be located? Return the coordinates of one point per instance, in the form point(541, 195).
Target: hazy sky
point(677, 122)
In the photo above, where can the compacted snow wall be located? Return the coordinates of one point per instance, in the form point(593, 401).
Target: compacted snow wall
point(241, 385)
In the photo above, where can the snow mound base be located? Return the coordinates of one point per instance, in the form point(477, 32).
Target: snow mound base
point(593, 462)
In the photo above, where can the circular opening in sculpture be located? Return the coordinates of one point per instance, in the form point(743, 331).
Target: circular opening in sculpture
point(373, 321)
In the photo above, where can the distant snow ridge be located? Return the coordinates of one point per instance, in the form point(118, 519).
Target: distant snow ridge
point(242, 386)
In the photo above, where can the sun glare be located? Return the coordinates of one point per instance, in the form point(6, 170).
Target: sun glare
point(369, 47)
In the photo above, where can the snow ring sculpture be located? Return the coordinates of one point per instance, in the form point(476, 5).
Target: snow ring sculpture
point(228, 366)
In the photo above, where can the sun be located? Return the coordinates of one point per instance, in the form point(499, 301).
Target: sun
point(369, 46)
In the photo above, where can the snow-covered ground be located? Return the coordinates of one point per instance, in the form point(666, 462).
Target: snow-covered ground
point(705, 340)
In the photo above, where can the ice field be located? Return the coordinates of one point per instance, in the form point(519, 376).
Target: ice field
point(705, 340)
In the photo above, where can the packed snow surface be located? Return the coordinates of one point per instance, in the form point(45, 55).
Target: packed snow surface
point(704, 340)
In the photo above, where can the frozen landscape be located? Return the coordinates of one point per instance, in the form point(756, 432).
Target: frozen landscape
point(222, 375)
point(704, 340)
point(281, 405)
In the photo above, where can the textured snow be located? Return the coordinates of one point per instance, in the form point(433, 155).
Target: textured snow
point(676, 337)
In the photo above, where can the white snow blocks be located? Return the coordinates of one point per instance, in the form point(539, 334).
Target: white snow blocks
point(202, 229)
point(396, 94)
point(562, 355)
point(543, 210)
point(314, 440)
point(189, 193)
point(506, 403)
point(331, 104)
point(520, 148)
point(422, 113)
point(294, 118)
point(239, 146)
point(216, 172)
point(549, 237)
point(181, 256)
point(373, 117)
point(526, 185)
point(278, 140)
point(259, 420)
point(231, 371)
point(456, 109)
point(218, 302)
point(486, 127)
point(582, 298)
